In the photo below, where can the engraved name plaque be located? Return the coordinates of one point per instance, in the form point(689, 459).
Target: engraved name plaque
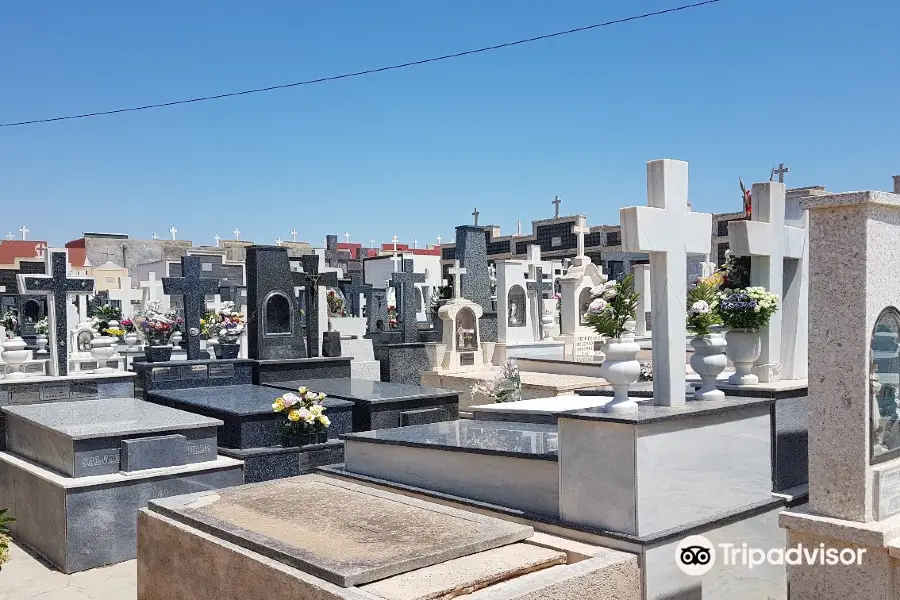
point(54, 391)
point(165, 374)
point(84, 389)
point(193, 372)
point(887, 492)
point(223, 371)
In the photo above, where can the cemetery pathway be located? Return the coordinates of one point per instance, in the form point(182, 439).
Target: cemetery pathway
point(26, 577)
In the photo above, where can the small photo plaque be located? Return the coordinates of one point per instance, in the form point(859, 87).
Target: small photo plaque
point(466, 359)
point(223, 371)
point(164, 374)
point(193, 372)
point(54, 391)
point(84, 389)
point(887, 492)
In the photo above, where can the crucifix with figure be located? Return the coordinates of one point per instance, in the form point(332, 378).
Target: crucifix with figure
point(404, 284)
point(668, 231)
point(779, 263)
point(193, 288)
point(311, 280)
point(56, 285)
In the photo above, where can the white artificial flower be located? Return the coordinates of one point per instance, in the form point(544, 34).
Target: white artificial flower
point(700, 307)
point(598, 290)
point(597, 305)
point(290, 399)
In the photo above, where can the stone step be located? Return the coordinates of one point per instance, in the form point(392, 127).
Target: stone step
point(467, 574)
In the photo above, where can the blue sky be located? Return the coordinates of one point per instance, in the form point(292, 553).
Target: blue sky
point(733, 88)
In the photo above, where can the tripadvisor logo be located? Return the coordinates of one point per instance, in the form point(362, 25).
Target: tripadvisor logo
point(696, 555)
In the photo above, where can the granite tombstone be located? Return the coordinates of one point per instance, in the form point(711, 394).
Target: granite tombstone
point(193, 289)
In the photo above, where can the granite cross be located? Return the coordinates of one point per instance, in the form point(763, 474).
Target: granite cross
point(536, 287)
point(232, 293)
point(769, 243)
point(312, 279)
point(579, 229)
point(332, 254)
point(555, 203)
point(668, 231)
point(375, 308)
point(780, 171)
point(352, 290)
point(404, 285)
point(24, 230)
point(475, 214)
point(457, 273)
point(173, 231)
point(193, 288)
point(57, 286)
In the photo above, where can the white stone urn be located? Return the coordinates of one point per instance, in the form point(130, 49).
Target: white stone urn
point(14, 354)
point(743, 349)
point(41, 342)
point(487, 350)
point(708, 361)
point(176, 338)
point(102, 349)
point(131, 338)
point(435, 354)
point(621, 369)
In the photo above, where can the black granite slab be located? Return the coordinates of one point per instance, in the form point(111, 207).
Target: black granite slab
point(518, 440)
point(383, 405)
point(650, 413)
point(273, 322)
point(274, 371)
point(193, 288)
point(405, 291)
point(246, 413)
point(189, 374)
point(265, 464)
point(401, 363)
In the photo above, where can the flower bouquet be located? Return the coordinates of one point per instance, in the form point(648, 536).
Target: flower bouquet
point(156, 326)
point(336, 304)
point(304, 421)
point(393, 323)
point(708, 359)
point(703, 306)
point(10, 322)
point(42, 327)
point(506, 388)
point(744, 312)
point(227, 325)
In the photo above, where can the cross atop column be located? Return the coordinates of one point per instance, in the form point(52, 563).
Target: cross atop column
point(347, 237)
point(457, 272)
point(556, 202)
point(404, 285)
point(237, 234)
point(24, 231)
point(475, 214)
point(769, 242)
point(294, 235)
point(668, 231)
point(780, 171)
point(579, 229)
point(193, 288)
point(173, 231)
point(56, 285)
point(312, 279)
point(217, 238)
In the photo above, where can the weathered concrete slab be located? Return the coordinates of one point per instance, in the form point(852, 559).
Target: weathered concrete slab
point(338, 531)
point(467, 574)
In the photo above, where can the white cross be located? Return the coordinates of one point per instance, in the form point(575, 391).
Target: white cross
point(398, 262)
point(278, 241)
point(24, 230)
point(371, 243)
point(237, 234)
point(346, 237)
point(40, 249)
point(217, 238)
point(457, 272)
point(668, 231)
point(154, 237)
point(173, 231)
point(395, 239)
point(439, 240)
point(294, 235)
point(580, 228)
point(10, 236)
point(519, 227)
point(769, 242)
point(415, 244)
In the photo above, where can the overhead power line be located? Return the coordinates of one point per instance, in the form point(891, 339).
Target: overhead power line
point(367, 71)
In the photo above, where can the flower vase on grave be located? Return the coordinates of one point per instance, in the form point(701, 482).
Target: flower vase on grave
point(14, 354)
point(291, 438)
point(621, 369)
point(131, 339)
point(744, 347)
point(708, 361)
point(176, 338)
point(158, 353)
point(102, 349)
point(227, 347)
point(487, 349)
point(41, 342)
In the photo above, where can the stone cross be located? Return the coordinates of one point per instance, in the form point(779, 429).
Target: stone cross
point(237, 234)
point(153, 290)
point(457, 273)
point(173, 231)
point(294, 235)
point(332, 255)
point(404, 285)
point(475, 214)
point(536, 286)
point(555, 203)
point(56, 285)
point(668, 231)
point(217, 238)
point(24, 230)
point(769, 243)
point(40, 249)
point(352, 291)
point(642, 287)
point(395, 239)
point(780, 171)
point(232, 293)
point(519, 227)
point(193, 288)
point(154, 237)
point(277, 241)
point(376, 308)
point(579, 229)
point(347, 237)
point(439, 240)
point(10, 236)
point(415, 244)
point(312, 279)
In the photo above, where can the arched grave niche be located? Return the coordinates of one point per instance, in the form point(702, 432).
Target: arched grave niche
point(884, 382)
point(277, 314)
point(584, 302)
point(516, 307)
point(31, 311)
point(466, 330)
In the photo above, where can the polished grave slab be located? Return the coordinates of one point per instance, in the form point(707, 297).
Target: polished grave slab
point(250, 429)
point(381, 405)
point(108, 435)
point(505, 463)
point(358, 535)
